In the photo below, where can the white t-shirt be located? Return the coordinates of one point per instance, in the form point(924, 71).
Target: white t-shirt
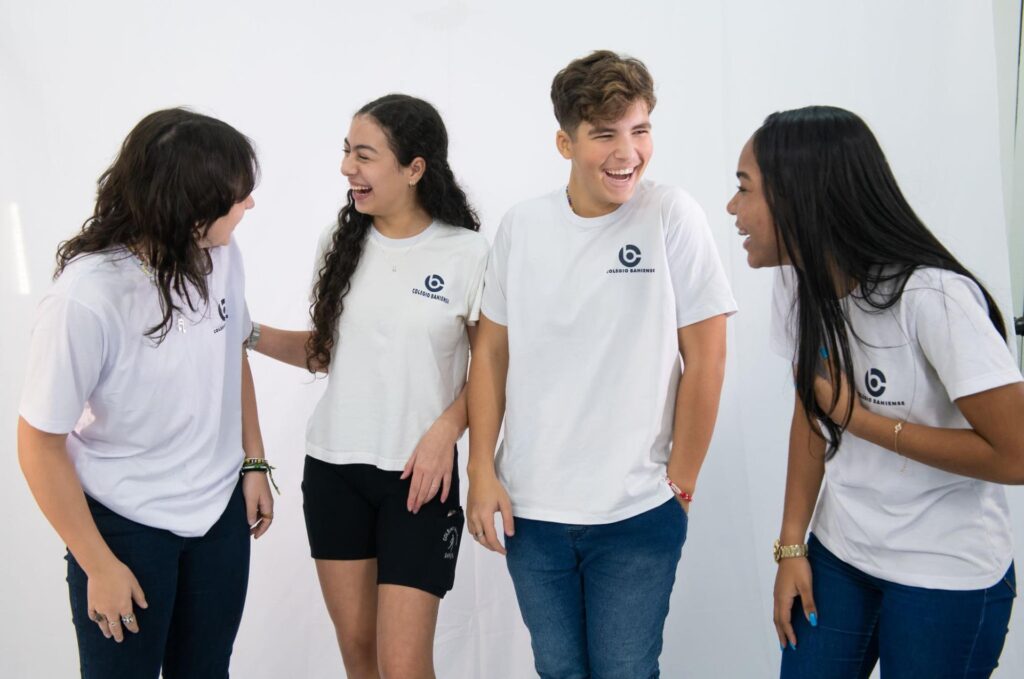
point(885, 514)
point(155, 430)
point(593, 308)
point(402, 350)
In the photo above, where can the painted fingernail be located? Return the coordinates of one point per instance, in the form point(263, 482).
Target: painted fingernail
point(782, 647)
point(813, 617)
point(792, 645)
point(823, 351)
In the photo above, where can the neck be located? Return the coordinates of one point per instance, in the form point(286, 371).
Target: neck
point(583, 203)
point(405, 224)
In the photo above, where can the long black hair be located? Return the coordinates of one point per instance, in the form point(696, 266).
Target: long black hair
point(177, 172)
point(840, 216)
point(414, 129)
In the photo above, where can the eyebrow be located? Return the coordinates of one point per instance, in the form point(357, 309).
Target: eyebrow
point(361, 147)
point(742, 175)
point(606, 130)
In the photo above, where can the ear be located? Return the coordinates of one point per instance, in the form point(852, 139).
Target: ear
point(415, 170)
point(564, 144)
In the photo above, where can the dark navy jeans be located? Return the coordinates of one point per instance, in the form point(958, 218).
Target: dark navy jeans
point(195, 588)
point(913, 632)
point(595, 597)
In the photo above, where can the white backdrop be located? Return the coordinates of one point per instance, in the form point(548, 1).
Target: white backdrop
point(75, 77)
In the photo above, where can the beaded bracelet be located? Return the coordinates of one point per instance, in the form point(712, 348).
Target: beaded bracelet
point(259, 464)
point(683, 495)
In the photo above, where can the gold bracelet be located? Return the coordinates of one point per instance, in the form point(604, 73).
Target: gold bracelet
point(781, 551)
point(896, 437)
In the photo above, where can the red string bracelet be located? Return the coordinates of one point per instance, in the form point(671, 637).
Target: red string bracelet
point(686, 497)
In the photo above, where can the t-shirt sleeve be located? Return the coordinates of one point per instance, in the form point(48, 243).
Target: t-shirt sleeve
point(476, 289)
point(958, 339)
point(66, 357)
point(782, 331)
point(698, 278)
point(494, 304)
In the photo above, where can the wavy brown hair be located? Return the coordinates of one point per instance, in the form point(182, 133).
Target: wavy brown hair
point(414, 129)
point(600, 87)
point(177, 172)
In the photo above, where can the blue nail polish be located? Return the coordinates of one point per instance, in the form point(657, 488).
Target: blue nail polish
point(792, 645)
point(823, 351)
point(782, 647)
point(813, 617)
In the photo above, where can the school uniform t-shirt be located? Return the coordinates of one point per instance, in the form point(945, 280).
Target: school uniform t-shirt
point(593, 308)
point(155, 430)
point(401, 350)
point(883, 513)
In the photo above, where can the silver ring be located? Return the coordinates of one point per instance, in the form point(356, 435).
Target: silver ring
point(128, 619)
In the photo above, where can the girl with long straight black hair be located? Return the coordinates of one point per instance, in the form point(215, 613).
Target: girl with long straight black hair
point(138, 412)
point(397, 293)
point(906, 416)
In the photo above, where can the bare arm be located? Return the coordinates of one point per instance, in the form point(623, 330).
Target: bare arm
point(702, 346)
point(51, 477)
point(259, 503)
point(804, 474)
point(287, 346)
point(488, 374)
point(992, 450)
point(432, 462)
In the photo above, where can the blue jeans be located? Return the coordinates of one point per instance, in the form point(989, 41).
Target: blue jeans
point(914, 632)
point(195, 588)
point(595, 597)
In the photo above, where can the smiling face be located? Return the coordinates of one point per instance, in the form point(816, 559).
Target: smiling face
point(220, 231)
point(608, 160)
point(753, 217)
point(380, 185)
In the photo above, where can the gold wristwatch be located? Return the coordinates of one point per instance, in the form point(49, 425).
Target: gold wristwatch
point(781, 551)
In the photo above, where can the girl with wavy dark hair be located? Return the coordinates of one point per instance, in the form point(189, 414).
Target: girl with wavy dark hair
point(397, 293)
point(138, 411)
point(907, 403)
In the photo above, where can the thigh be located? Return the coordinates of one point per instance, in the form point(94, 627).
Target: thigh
point(350, 592)
point(544, 566)
point(629, 569)
point(844, 644)
point(340, 517)
point(212, 581)
point(406, 620)
point(152, 556)
point(943, 633)
point(417, 550)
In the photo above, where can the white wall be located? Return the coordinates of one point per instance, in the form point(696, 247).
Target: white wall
point(75, 77)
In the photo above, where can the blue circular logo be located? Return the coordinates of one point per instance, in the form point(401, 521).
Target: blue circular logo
point(433, 283)
point(629, 255)
point(874, 382)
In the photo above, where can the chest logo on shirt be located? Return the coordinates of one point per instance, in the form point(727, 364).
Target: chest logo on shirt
point(875, 384)
point(434, 284)
point(629, 258)
point(222, 311)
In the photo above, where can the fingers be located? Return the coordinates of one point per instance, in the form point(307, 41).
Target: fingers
point(412, 503)
point(101, 622)
point(251, 509)
point(489, 538)
point(783, 622)
point(130, 622)
point(807, 599)
point(114, 625)
point(138, 596)
point(505, 507)
point(265, 514)
point(408, 467)
point(446, 485)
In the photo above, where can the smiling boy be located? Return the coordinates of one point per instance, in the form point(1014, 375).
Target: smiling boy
point(592, 294)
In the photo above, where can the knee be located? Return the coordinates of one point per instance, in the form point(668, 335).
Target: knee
point(359, 655)
point(399, 666)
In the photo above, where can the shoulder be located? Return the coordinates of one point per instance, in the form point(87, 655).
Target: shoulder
point(927, 284)
point(676, 205)
point(95, 279)
point(528, 212)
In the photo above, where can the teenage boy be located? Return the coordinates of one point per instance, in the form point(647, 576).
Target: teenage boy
point(591, 295)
